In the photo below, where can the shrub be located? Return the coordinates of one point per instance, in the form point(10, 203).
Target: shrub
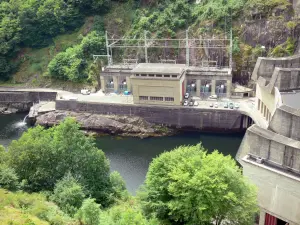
point(68, 194)
point(89, 213)
point(8, 178)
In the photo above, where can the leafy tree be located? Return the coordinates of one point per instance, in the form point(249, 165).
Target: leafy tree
point(8, 178)
point(118, 186)
point(9, 34)
point(89, 213)
point(189, 186)
point(69, 65)
point(72, 64)
point(41, 157)
point(68, 194)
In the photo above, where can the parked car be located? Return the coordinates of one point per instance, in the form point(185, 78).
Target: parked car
point(226, 105)
point(231, 106)
point(85, 92)
point(211, 105)
point(216, 105)
point(187, 95)
point(236, 105)
point(213, 97)
point(196, 103)
point(191, 103)
point(185, 103)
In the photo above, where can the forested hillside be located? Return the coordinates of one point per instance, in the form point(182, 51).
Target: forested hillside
point(51, 42)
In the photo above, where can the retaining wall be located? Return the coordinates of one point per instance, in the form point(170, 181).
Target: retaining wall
point(180, 117)
point(23, 100)
point(21, 96)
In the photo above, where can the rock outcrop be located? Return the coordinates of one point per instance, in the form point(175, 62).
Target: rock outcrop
point(109, 124)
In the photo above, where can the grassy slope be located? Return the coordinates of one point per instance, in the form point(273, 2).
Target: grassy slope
point(21, 208)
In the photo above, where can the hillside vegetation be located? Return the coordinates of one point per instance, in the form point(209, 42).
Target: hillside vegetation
point(49, 43)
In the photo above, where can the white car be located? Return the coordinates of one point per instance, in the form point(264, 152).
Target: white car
point(187, 95)
point(71, 98)
point(236, 105)
point(216, 105)
point(185, 103)
point(196, 103)
point(213, 97)
point(85, 92)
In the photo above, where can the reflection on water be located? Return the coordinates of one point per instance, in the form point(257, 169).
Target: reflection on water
point(11, 127)
point(131, 156)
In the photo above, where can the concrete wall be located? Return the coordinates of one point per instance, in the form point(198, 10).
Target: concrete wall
point(181, 117)
point(22, 101)
point(276, 150)
point(265, 66)
point(17, 97)
point(287, 79)
point(278, 194)
point(286, 121)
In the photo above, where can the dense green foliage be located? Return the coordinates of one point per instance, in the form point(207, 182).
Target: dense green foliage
point(89, 213)
point(21, 208)
point(127, 213)
point(41, 157)
point(118, 186)
point(68, 194)
point(72, 64)
point(33, 23)
point(189, 186)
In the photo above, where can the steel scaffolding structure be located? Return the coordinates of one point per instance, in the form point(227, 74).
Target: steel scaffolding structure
point(185, 43)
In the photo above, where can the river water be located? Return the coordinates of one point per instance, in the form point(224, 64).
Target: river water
point(131, 156)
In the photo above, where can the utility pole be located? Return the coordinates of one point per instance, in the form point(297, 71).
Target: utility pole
point(187, 48)
point(146, 50)
point(230, 50)
point(107, 48)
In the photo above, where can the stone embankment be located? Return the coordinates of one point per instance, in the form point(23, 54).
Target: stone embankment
point(9, 108)
point(107, 124)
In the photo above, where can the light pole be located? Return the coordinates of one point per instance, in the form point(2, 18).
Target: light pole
point(263, 48)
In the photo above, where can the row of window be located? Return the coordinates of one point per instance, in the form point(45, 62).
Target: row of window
point(264, 110)
point(155, 75)
point(152, 98)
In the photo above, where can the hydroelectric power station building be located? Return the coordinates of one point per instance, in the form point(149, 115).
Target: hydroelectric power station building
point(166, 84)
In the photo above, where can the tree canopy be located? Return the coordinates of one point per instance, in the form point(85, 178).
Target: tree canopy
point(41, 157)
point(190, 186)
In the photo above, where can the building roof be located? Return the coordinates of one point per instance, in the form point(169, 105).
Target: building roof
point(159, 68)
point(242, 89)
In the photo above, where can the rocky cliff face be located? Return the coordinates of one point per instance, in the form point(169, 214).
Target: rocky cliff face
point(109, 124)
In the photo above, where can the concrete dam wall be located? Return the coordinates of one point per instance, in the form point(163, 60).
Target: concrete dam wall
point(179, 117)
point(23, 100)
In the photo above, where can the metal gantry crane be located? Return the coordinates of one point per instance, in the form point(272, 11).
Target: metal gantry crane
point(184, 43)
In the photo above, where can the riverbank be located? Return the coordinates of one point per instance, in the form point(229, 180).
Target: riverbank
point(131, 156)
point(107, 124)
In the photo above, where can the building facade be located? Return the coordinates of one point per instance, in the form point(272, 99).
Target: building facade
point(166, 84)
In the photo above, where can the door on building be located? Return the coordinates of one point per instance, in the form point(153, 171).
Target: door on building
point(272, 220)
